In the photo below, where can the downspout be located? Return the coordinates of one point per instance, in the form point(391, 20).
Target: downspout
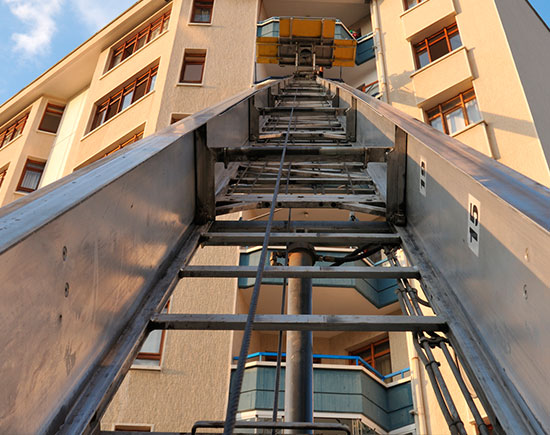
point(417, 389)
point(380, 60)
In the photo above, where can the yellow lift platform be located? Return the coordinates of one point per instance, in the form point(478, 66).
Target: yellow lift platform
point(304, 41)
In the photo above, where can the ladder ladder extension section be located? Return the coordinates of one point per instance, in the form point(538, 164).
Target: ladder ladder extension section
point(450, 222)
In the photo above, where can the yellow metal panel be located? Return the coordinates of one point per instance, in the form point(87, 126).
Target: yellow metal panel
point(344, 54)
point(329, 28)
point(284, 27)
point(306, 28)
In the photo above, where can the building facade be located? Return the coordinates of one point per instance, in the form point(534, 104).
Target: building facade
point(467, 67)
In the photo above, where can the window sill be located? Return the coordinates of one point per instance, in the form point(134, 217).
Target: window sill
point(19, 193)
point(413, 8)
point(468, 127)
point(49, 133)
point(148, 368)
point(190, 84)
point(435, 62)
point(116, 116)
point(108, 72)
point(190, 23)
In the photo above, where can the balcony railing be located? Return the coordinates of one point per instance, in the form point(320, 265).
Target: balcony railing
point(357, 359)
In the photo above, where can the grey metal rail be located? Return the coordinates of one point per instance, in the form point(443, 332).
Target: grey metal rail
point(487, 294)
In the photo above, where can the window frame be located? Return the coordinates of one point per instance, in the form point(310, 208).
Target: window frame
point(115, 98)
point(153, 356)
point(17, 125)
point(147, 30)
point(26, 189)
point(441, 113)
point(371, 346)
point(424, 45)
point(3, 173)
point(52, 108)
point(193, 52)
point(208, 4)
point(406, 6)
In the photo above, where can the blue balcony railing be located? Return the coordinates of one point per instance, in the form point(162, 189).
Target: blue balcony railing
point(357, 359)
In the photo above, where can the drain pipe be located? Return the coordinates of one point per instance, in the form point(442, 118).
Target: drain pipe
point(380, 60)
point(417, 388)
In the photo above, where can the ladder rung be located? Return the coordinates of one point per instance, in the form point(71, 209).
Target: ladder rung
point(300, 272)
point(325, 239)
point(300, 322)
point(312, 226)
point(314, 199)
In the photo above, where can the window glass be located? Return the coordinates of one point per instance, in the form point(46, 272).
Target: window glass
point(117, 58)
point(152, 83)
point(192, 72)
point(473, 111)
point(455, 41)
point(31, 176)
point(142, 40)
point(155, 32)
point(451, 104)
point(439, 49)
point(202, 11)
point(51, 119)
point(455, 120)
point(113, 108)
point(423, 59)
point(437, 123)
point(127, 100)
point(141, 88)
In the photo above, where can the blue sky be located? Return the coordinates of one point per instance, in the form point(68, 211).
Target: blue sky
point(35, 34)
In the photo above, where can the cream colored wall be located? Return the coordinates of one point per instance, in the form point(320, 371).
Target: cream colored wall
point(66, 136)
point(88, 143)
point(229, 42)
point(32, 144)
point(512, 135)
point(529, 41)
point(193, 381)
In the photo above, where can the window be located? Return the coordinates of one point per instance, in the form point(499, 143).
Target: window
point(139, 40)
point(124, 97)
point(193, 66)
point(13, 130)
point(3, 174)
point(410, 3)
point(52, 118)
point(133, 139)
point(202, 11)
point(455, 114)
point(132, 428)
point(437, 46)
point(150, 353)
point(30, 178)
point(176, 117)
point(377, 354)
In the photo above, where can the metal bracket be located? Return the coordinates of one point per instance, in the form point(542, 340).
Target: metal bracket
point(253, 120)
point(205, 160)
point(397, 180)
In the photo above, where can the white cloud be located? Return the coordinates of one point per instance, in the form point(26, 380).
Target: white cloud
point(38, 16)
point(97, 13)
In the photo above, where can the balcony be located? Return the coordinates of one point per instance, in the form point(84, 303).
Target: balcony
point(379, 292)
point(426, 18)
point(338, 389)
point(442, 79)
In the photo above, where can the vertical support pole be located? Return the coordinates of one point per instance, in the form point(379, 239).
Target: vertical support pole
point(299, 347)
point(397, 180)
point(336, 98)
point(205, 184)
point(351, 121)
point(253, 120)
point(270, 98)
